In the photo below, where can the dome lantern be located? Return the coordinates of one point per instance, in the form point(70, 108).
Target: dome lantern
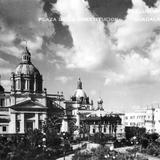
point(79, 84)
point(26, 56)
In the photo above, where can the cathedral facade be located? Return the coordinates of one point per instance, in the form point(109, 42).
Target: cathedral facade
point(25, 106)
point(83, 118)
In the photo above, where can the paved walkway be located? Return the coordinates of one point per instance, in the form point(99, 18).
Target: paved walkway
point(69, 157)
point(149, 157)
point(123, 150)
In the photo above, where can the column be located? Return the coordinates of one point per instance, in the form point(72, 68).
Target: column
point(12, 124)
point(64, 126)
point(36, 121)
point(35, 83)
point(20, 82)
point(29, 85)
point(22, 127)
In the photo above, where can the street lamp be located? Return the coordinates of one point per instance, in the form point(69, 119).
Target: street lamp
point(64, 138)
point(44, 143)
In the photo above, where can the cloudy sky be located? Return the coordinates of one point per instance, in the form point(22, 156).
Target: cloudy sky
point(113, 45)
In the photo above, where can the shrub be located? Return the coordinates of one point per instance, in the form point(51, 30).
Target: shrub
point(82, 156)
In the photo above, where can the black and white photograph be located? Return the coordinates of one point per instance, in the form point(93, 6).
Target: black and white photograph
point(79, 79)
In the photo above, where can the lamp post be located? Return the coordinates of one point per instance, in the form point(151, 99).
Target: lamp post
point(44, 141)
point(64, 149)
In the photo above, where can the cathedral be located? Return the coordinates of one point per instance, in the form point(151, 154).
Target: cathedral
point(28, 104)
point(25, 106)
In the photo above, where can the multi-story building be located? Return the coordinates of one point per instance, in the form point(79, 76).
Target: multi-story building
point(108, 124)
point(26, 105)
point(149, 119)
point(136, 119)
point(152, 121)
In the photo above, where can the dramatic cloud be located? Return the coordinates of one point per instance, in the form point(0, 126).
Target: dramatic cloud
point(137, 37)
point(5, 71)
point(23, 17)
point(62, 35)
point(113, 8)
point(90, 43)
point(124, 52)
point(3, 62)
point(19, 22)
point(136, 69)
point(6, 84)
point(138, 28)
point(63, 79)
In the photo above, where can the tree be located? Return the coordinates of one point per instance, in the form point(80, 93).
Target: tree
point(84, 128)
point(32, 138)
point(72, 125)
point(134, 131)
point(51, 129)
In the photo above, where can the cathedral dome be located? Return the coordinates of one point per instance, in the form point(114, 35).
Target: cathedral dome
point(27, 78)
point(79, 92)
point(26, 66)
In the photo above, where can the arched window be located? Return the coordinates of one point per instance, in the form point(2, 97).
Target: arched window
point(18, 84)
point(26, 84)
point(2, 102)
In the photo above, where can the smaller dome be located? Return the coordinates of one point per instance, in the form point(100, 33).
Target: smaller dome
point(1, 89)
point(79, 93)
point(79, 84)
point(26, 66)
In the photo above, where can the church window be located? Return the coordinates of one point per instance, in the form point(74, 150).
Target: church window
point(16, 84)
point(40, 125)
point(19, 84)
point(94, 130)
point(4, 128)
point(104, 129)
point(18, 126)
point(1, 102)
point(27, 85)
